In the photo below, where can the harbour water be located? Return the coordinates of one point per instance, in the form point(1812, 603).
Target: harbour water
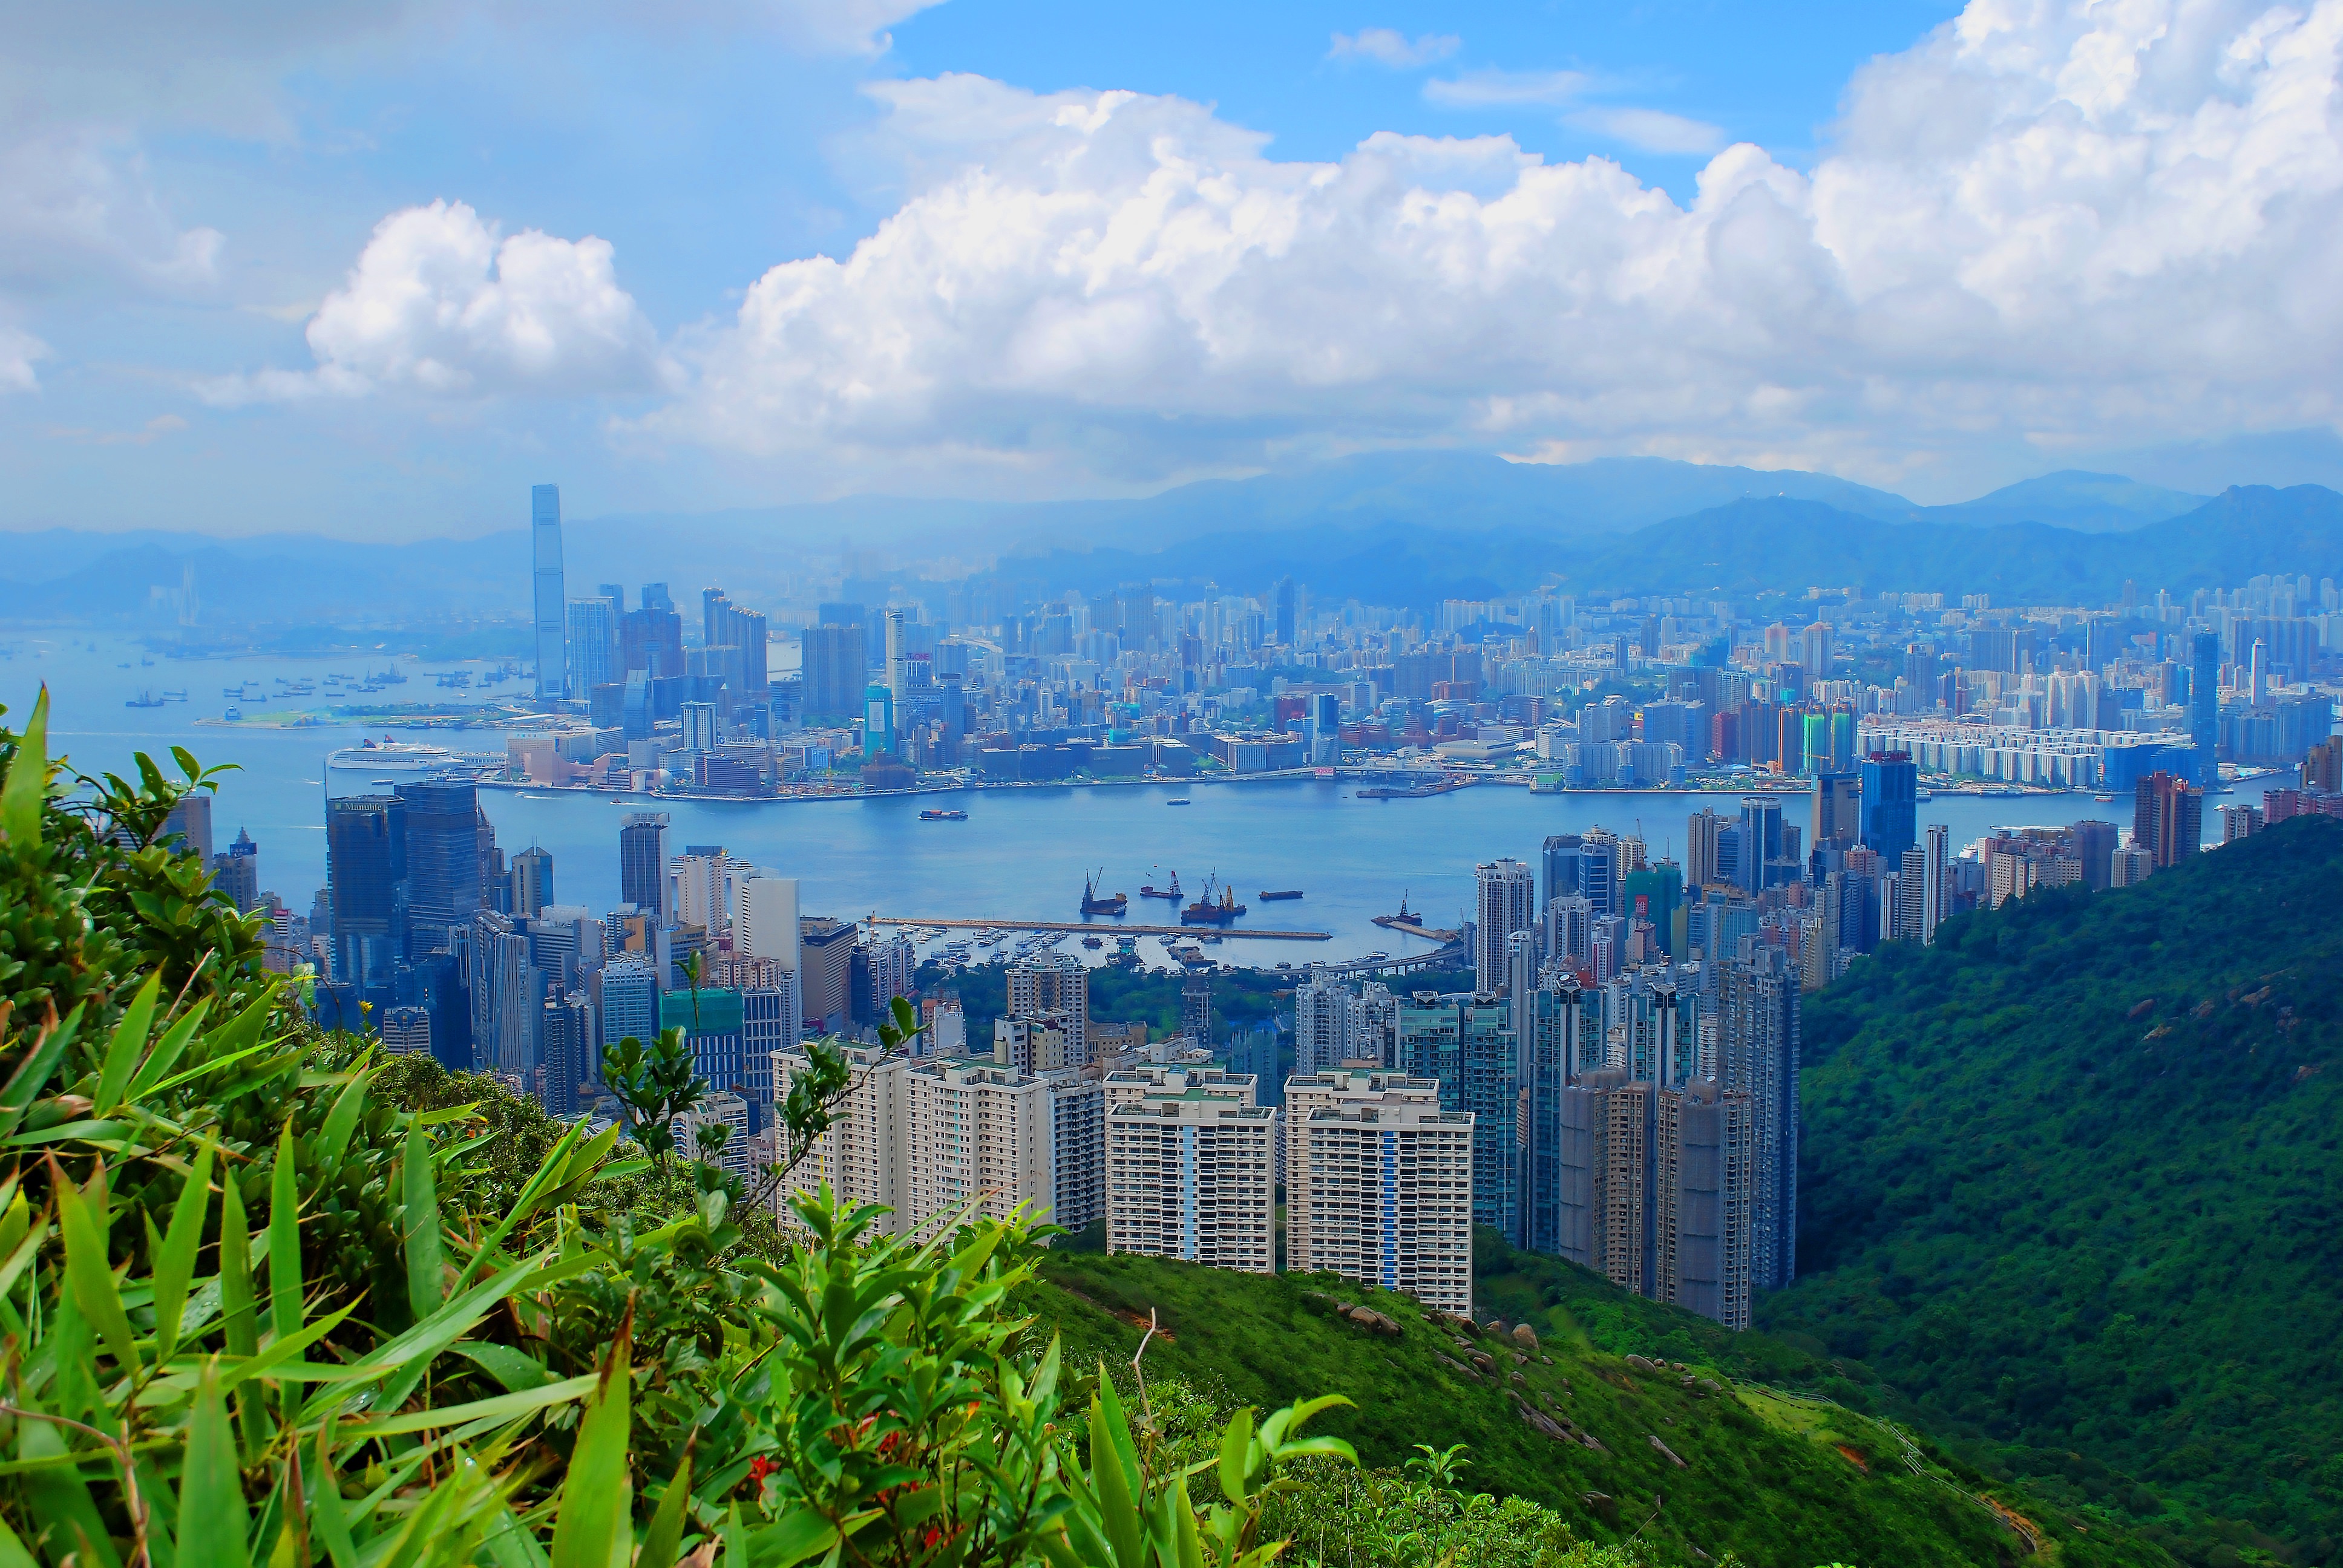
point(1022, 854)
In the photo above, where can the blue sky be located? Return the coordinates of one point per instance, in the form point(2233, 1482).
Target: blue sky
point(272, 266)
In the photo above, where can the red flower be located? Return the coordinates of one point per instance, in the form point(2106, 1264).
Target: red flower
point(759, 1468)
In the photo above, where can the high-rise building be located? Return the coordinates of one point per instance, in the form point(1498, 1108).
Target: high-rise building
point(1815, 649)
point(1891, 783)
point(698, 731)
point(826, 970)
point(1757, 1055)
point(532, 878)
point(2167, 819)
point(629, 1006)
point(1077, 1139)
point(442, 826)
point(1838, 810)
point(1583, 866)
point(406, 1031)
point(834, 671)
point(1381, 1191)
point(569, 1073)
point(593, 646)
point(551, 603)
point(698, 878)
point(2095, 847)
point(712, 1026)
point(365, 879)
point(864, 1156)
point(1936, 902)
point(1505, 901)
point(1703, 1174)
point(236, 872)
point(1286, 596)
point(1054, 983)
point(190, 822)
point(765, 918)
point(979, 1141)
point(1321, 1023)
point(1196, 1009)
point(1761, 842)
point(642, 865)
point(2205, 706)
point(1193, 1179)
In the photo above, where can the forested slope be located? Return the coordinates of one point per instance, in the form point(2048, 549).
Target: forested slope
point(2071, 1180)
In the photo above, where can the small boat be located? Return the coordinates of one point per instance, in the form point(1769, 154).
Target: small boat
point(1269, 897)
point(144, 700)
point(2105, 800)
point(1093, 942)
point(943, 816)
point(1177, 801)
point(233, 713)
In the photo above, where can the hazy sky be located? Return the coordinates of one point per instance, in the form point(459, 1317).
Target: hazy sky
point(373, 269)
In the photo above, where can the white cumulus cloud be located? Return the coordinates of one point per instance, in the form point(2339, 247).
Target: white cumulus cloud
point(2052, 221)
point(442, 305)
point(1387, 46)
point(1495, 89)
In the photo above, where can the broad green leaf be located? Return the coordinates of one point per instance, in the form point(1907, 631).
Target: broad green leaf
point(413, 1350)
point(58, 1499)
point(591, 1529)
point(228, 1042)
point(284, 1236)
point(213, 1518)
point(31, 1074)
point(237, 1303)
point(175, 1260)
point(12, 1551)
point(425, 1264)
point(27, 789)
point(273, 1362)
point(325, 1505)
point(661, 1544)
point(94, 1290)
point(129, 1039)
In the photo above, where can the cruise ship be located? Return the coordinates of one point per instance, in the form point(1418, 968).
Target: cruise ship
point(394, 757)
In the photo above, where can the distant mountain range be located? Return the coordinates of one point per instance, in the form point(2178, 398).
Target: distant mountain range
point(1384, 528)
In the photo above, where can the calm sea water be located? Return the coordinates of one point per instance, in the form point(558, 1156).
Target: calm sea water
point(1023, 854)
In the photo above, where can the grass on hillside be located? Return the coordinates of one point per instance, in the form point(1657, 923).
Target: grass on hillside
point(1822, 1486)
point(2070, 1179)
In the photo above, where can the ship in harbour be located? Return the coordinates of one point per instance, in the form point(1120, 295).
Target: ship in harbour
point(1172, 892)
point(1209, 911)
point(943, 816)
point(1270, 898)
point(1094, 904)
point(394, 756)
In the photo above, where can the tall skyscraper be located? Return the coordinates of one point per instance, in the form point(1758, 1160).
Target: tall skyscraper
point(642, 865)
point(1054, 983)
point(593, 645)
point(1891, 784)
point(1936, 898)
point(442, 858)
point(1760, 840)
point(235, 872)
point(835, 674)
point(765, 918)
point(532, 882)
point(1582, 866)
point(552, 601)
point(2167, 819)
point(1286, 606)
point(365, 876)
point(2205, 704)
point(1838, 810)
point(1505, 901)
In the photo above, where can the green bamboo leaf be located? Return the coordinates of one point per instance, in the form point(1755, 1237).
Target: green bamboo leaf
point(426, 1263)
point(325, 1505)
point(213, 1519)
point(285, 1238)
point(342, 1120)
point(241, 1323)
point(285, 1349)
point(799, 1534)
point(665, 1539)
point(129, 1039)
point(64, 1514)
point(546, 1176)
point(1236, 1450)
point(31, 1074)
point(205, 1068)
point(1118, 1507)
point(515, 1370)
point(12, 1551)
point(1183, 1522)
point(504, 1406)
point(230, 1040)
point(175, 1260)
point(83, 1222)
point(21, 1259)
point(26, 789)
point(591, 1529)
point(412, 1352)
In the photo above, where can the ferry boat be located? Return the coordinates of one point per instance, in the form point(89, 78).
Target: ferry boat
point(1177, 801)
point(393, 757)
point(1270, 898)
point(144, 700)
point(1172, 892)
point(943, 816)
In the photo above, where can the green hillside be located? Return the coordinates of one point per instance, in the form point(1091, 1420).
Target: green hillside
point(2071, 1181)
point(1773, 1481)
